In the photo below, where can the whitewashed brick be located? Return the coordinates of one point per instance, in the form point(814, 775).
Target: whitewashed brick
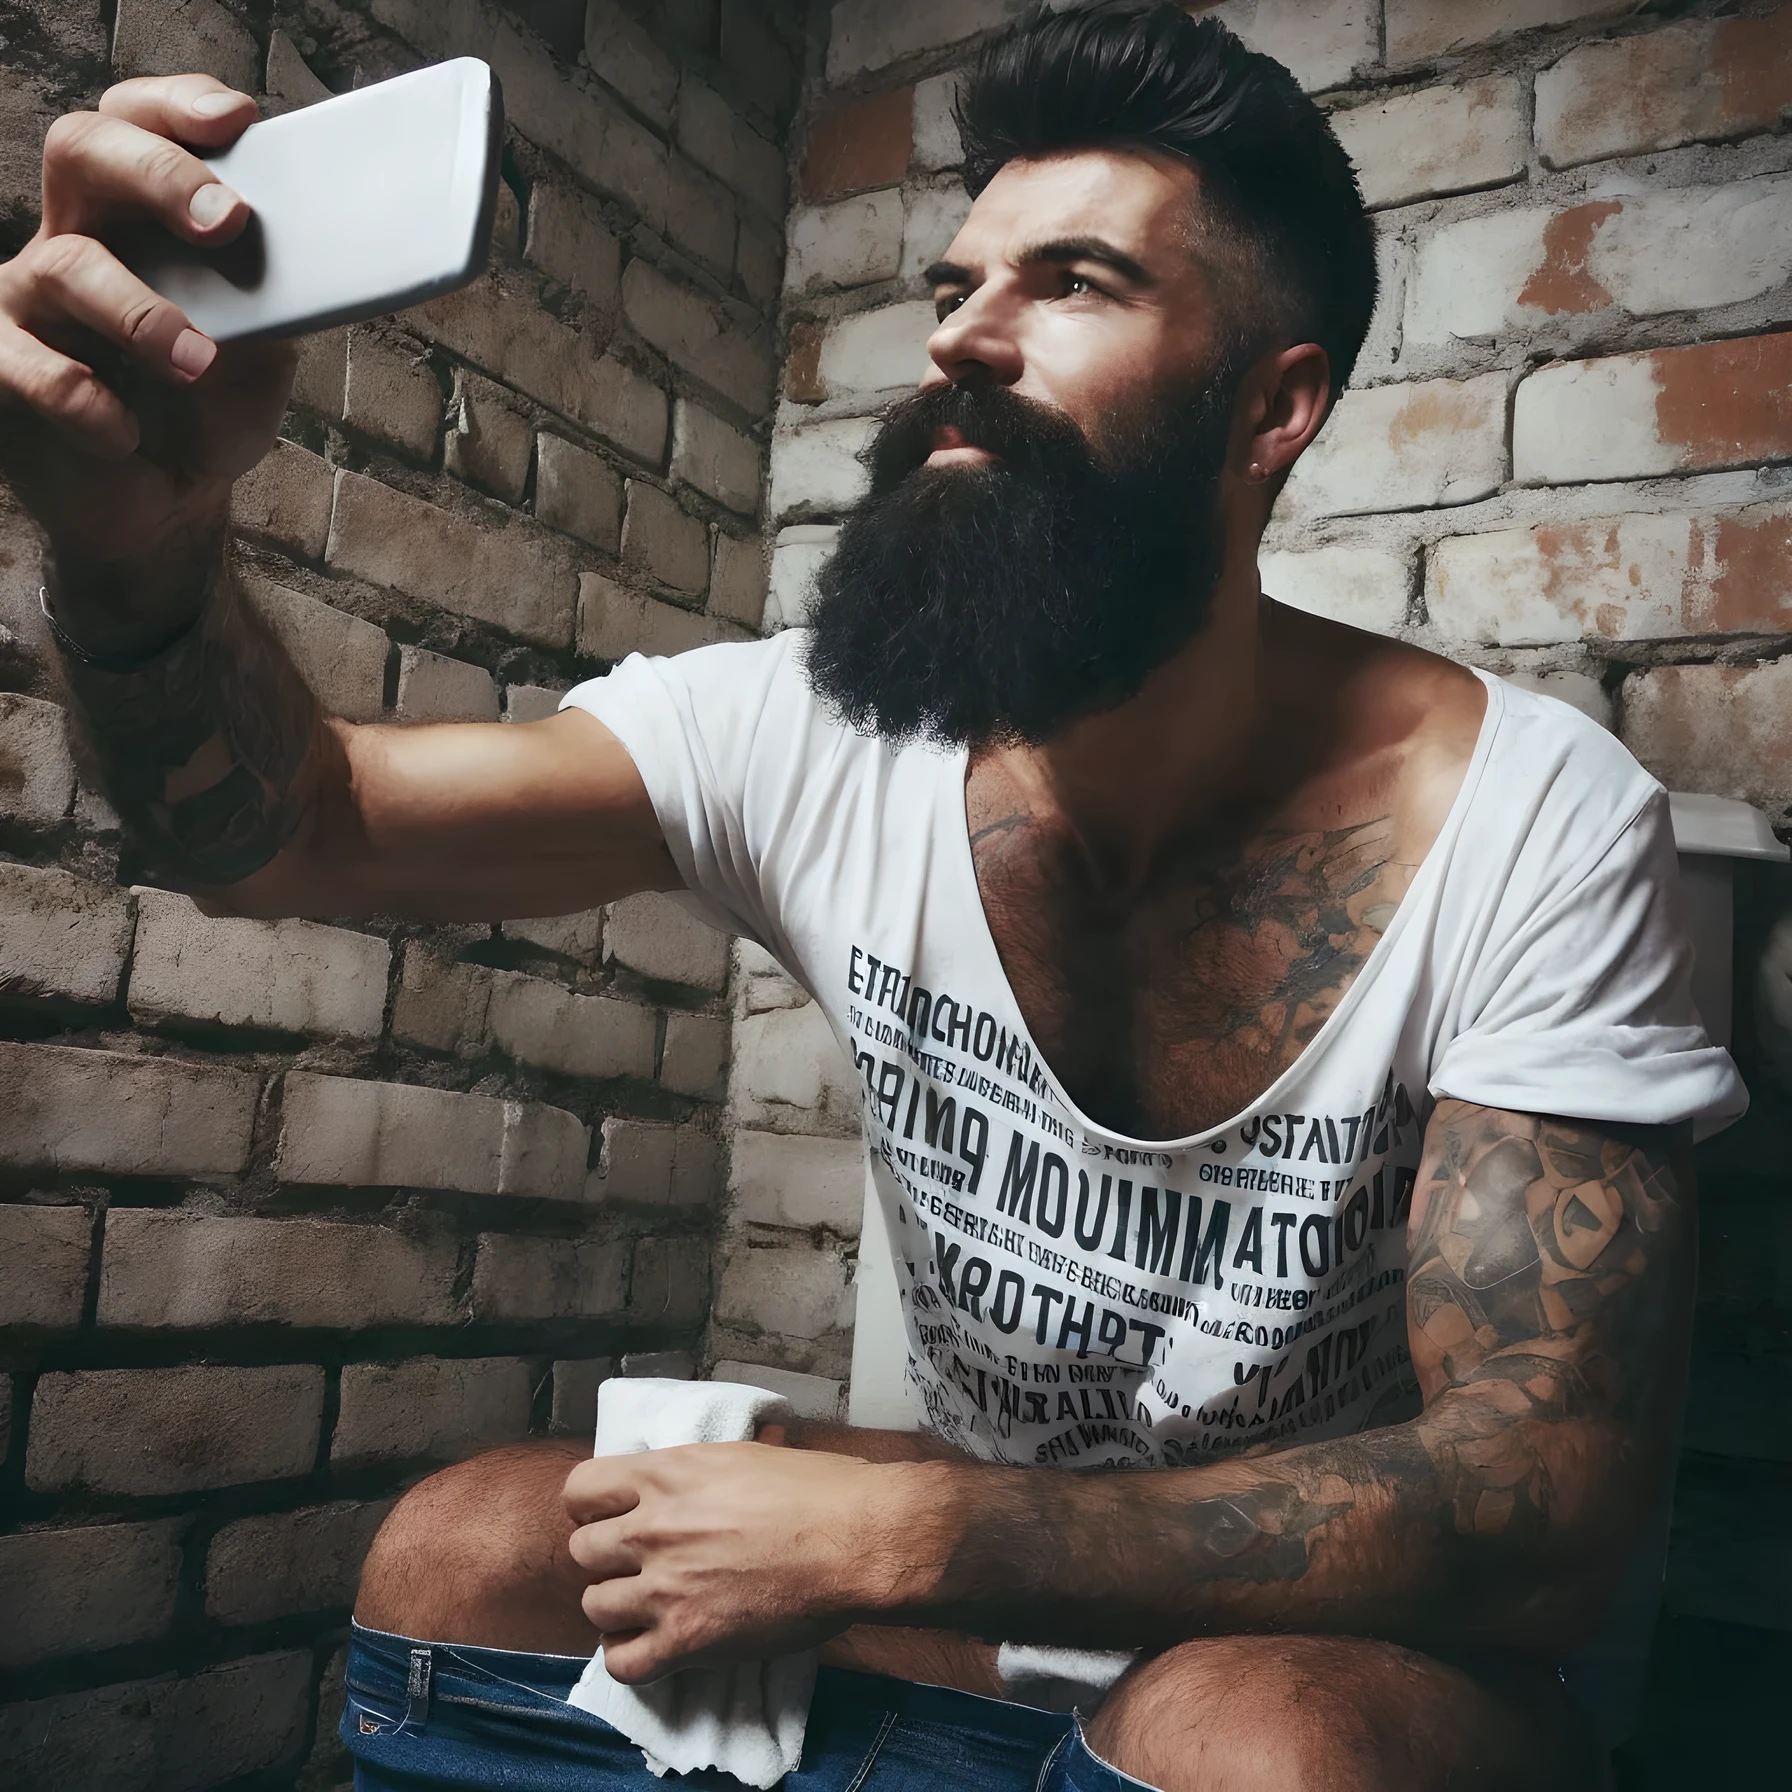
point(68, 1109)
point(936, 129)
point(341, 657)
point(1705, 81)
point(576, 1381)
point(320, 380)
point(656, 935)
point(694, 1059)
point(391, 393)
point(285, 498)
point(714, 136)
point(1625, 578)
point(1420, 29)
point(37, 770)
point(1438, 140)
point(290, 82)
point(790, 1073)
point(660, 1365)
point(439, 1408)
point(542, 1023)
point(507, 335)
point(721, 461)
point(1322, 43)
point(700, 337)
point(764, 982)
point(344, 1132)
point(46, 1251)
point(759, 260)
point(700, 216)
point(1678, 410)
point(1407, 446)
point(441, 1005)
point(151, 37)
point(810, 1396)
point(570, 243)
point(434, 688)
point(1722, 730)
point(208, 1729)
point(489, 440)
point(635, 1163)
point(737, 579)
point(1578, 690)
point(285, 976)
point(871, 34)
point(623, 54)
point(798, 1293)
point(797, 558)
point(816, 468)
point(280, 1563)
point(661, 539)
point(578, 492)
point(142, 1432)
point(615, 621)
point(852, 242)
point(60, 939)
point(515, 577)
point(670, 1283)
point(530, 703)
point(878, 351)
point(569, 936)
point(932, 219)
point(187, 1271)
point(93, 1587)
point(1644, 255)
point(548, 1278)
point(1365, 587)
point(780, 1179)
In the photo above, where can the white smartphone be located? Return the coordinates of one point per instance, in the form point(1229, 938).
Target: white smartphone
point(362, 204)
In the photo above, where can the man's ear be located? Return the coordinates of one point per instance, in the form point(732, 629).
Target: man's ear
point(1286, 398)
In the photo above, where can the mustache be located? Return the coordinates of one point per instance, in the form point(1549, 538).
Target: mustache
point(1032, 439)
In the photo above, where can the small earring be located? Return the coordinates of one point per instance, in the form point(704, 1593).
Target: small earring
point(1256, 474)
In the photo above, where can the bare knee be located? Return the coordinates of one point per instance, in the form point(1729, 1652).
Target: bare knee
point(476, 1553)
point(1335, 1714)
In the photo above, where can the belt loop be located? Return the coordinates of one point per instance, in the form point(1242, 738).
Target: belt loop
point(417, 1711)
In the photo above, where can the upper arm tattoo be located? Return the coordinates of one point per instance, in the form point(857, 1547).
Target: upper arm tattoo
point(1549, 1281)
point(202, 749)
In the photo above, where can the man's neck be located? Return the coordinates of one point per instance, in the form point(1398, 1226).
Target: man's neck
point(1127, 781)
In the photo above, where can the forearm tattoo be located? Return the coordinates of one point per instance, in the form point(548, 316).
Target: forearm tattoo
point(1548, 1309)
point(202, 748)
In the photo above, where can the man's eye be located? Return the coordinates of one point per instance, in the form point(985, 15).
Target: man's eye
point(946, 304)
point(1076, 285)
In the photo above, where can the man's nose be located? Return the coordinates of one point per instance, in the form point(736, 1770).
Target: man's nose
point(974, 342)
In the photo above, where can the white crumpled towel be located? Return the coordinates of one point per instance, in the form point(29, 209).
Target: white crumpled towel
point(1054, 1679)
point(748, 1718)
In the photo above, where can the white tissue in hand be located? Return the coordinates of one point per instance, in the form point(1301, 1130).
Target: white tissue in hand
point(748, 1718)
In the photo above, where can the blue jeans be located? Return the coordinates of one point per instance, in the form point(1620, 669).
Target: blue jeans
point(427, 1717)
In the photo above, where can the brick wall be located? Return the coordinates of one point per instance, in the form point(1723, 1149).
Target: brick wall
point(1564, 458)
point(291, 1212)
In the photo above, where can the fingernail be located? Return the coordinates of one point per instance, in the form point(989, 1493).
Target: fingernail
point(215, 105)
point(212, 205)
point(193, 353)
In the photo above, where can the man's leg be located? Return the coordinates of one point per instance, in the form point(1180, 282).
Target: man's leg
point(1341, 1714)
point(477, 1554)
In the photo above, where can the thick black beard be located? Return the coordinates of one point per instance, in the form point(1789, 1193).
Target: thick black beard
point(974, 606)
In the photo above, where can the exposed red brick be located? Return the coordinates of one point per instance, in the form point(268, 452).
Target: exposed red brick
point(1726, 402)
point(863, 143)
point(1751, 68)
point(1562, 282)
point(802, 370)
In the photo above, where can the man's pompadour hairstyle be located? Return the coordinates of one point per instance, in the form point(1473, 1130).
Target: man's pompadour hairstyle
point(1144, 74)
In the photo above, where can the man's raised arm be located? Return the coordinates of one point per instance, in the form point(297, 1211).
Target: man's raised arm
point(1549, 1311)
point(122, 430)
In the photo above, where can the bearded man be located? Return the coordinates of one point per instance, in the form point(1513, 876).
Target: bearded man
point(1277, 1045)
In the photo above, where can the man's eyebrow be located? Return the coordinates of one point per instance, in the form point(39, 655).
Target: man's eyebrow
point(1087, 248)
point(1058, 250)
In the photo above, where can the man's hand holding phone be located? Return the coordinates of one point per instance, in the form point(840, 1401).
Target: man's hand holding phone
point(121, 426)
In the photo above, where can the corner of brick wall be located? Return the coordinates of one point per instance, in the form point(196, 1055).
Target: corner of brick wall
point(293, 1213)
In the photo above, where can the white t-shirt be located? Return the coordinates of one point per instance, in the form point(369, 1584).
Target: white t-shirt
point(1080, 1298)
